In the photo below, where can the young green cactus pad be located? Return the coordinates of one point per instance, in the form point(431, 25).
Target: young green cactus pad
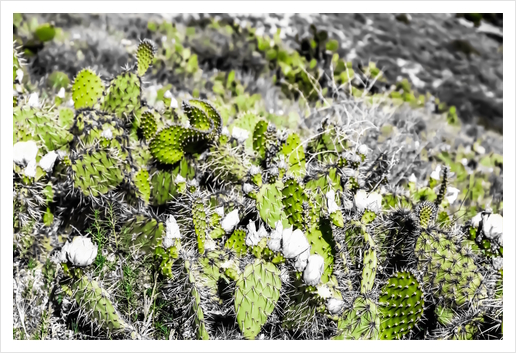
point(200, 224)
point(256, 295)
point(96, 171)
point(142, 234)
point(237, 242)
point(210, 113)
point(268, 203)
point(97, 305)
point(293, 198)
point(148, 125)
point(448, 268)
point(141, 182)
point(122, 96)
point(427, 213)
point(360, 322)
point(145, 54)
point(369, 268)
point(87, 89)
point(294, 152)
point(168, 144)
point(401, 305)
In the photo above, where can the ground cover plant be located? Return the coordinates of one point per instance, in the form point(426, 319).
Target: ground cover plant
point(224, 185)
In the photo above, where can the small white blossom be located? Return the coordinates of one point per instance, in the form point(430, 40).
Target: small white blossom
point(372, 202)
point(30, 169)
point(47, 162)
point(302, 260)
point(452, 194)
point(314, 270)
point(412, 178)
point(240, 134)
point(254, 170)
point(334, 306)
point(493, 227)
point(323, 291)
point(247, 188)
point(363, 149)
point(294, 243)
point(167, 95)
point(498, 263)
point(253, 236)
point(179, 179)
point(107, 134)
point(24, 152)
point(33, 100)
point(19, 75)
point(480, 149)
point(436, 174)
point(219, 211)
point(173, 103)
point(464, 161)
point(230, 221)
point(172, 232)
point(475, 221)
point(61, 93)
point(225, 131)
point(274, 242)
point(209, 244)
point(332, 205)
point(80, 252)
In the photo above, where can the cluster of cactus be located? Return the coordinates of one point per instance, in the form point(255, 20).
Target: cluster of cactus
point(274, 234)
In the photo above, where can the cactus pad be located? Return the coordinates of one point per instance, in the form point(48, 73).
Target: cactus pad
point(123, 95)
point(295, 154)
point(148, 125)
point(142, 234)
point(237, 242)
point(360, 322)
point(256, 295)
point(145, 54)
point(427, 213)
point(87, 89)
point(401, 305)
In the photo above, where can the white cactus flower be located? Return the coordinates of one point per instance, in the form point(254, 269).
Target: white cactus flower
point(493, 227)
point(436, 174)
point(332, 205)
point(302, 260)
point(19, 75)
point(230, 221)
point(452, 194)
point(225, 131)
point(107, 134)
point(240, 134)
point(33, 100)
point(247, 188)
point(254, 170)
point(498, 263)
point(219, 211)
point(61, 93)
point(179, 179)
point(412, 178)
point(334, 306)
point(24, 152)
point(47, 162)
point(80, 252)
point(254, 236)
point(323, 291)
point(314, 270)
point(172, 232)
point(274, 242)
point(363, 149)
point(475, 221)
point(372, 202)
point(173, 103)
point(294, 243)
point(30, 169)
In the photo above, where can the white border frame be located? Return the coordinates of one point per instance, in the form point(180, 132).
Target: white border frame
point(10, 7)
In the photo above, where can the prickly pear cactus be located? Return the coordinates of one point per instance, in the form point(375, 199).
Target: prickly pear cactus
point(256, 295)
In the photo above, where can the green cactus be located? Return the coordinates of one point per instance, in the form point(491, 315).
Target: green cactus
point(401, 305)
point(145, 55)
point(427, 213)
point(200, 223)
point(142, 234)
point(294, 153)
point(320, 237)
point(448, 268)
point(142, 184)
point(236, 242)
point(148, 125)
point(269, 205)
point(246, 121)
point(360, 322)
point(122, 96)
point(87, 89)
point(97, 305)
point(256, 295)
point(293, 199)
point(96, 171)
